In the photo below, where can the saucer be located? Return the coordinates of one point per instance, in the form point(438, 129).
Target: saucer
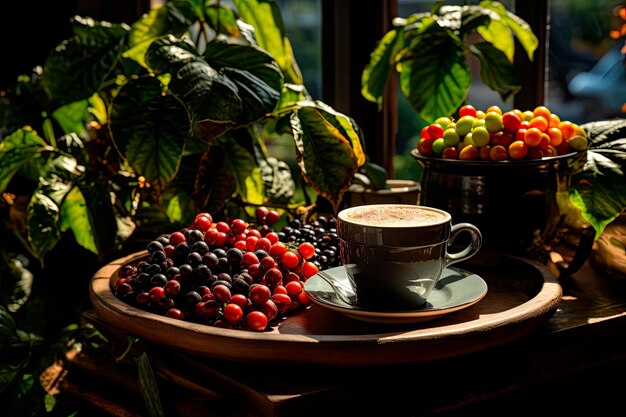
point(457, 289)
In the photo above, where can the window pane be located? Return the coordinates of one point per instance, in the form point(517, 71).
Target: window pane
point(586, 78)
point(302, 20)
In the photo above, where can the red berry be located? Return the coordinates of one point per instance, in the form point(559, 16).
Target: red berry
point(210, 236)
point(222, 227)
point(291, 276)
point(143, 298)
point(256, 271)
point(263, 244)
point(249, 258)
point(272, 217)
point(156, 293)
point(270, 309)
point(273, 276)
point(251, 243)
point(202, 223)
point(307, 250)
point(282, 301)
point(260, 213)
point(277, 250)
point(172, 288)
point(309, 269)
point(303, 299)
point(222, 293)
point(232, 313)
point(241, 245)
point(175, 313)
point(293, 289)
point(176, 238)
point(272, 237)
point(256, 320)
point(268, 263)
point(238, 226)
point(435, 131)
point(279, 289)
point(241, 300)
point(259, 294)
point(221, 240)
point(467, 110)
point(290, 259)
point(209, 309)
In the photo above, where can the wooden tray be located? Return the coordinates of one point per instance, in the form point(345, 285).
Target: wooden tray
point(522, 294)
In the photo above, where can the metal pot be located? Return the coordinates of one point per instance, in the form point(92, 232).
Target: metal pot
point(513, 203)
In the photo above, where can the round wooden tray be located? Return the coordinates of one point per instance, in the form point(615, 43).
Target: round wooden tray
point(522, 294)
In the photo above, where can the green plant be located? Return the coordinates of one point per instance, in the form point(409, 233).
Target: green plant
point(597, 186)
point(429, 52)
point(153, 122)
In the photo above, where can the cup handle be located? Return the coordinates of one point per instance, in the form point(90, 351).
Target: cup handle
point(471, 249)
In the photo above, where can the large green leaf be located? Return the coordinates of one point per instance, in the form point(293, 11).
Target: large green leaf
point(462, 20)
point(599, 188)
point(84, 62)
point(149, 129)
point(43, 212)
point(242, 163)
point(378, 70)
point(325, 157)
point(43, 222)
point(74, 216)
point(435, 76)
point(211, 97)
point(499, 35)
point(169, 53)
point(520, 28)
point(347, 127)
point(71, 117)
point(254, 72)
point(177, 200)
point(18, 149)
point(222, 19)
point(107, 227)
point(171, 18)
point(265, 17)
point(8, 330)
point(600, 191)
point(9, 368)
point(495, 70)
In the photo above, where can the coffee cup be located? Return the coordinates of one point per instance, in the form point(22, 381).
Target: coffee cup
point(395, 254)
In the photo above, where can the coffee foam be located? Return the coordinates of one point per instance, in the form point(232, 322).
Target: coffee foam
point(392, 216)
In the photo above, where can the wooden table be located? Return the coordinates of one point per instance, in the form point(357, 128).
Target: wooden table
point(574, 361)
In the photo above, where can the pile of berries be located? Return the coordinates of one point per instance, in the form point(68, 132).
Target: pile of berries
point(495, 136)
point(230, 273)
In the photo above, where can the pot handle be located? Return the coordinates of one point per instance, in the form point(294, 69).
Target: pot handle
point(583, 251)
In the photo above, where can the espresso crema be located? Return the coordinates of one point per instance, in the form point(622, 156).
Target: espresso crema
point(392, 216)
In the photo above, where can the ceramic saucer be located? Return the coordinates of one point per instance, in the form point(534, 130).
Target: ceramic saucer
point(457, 289)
